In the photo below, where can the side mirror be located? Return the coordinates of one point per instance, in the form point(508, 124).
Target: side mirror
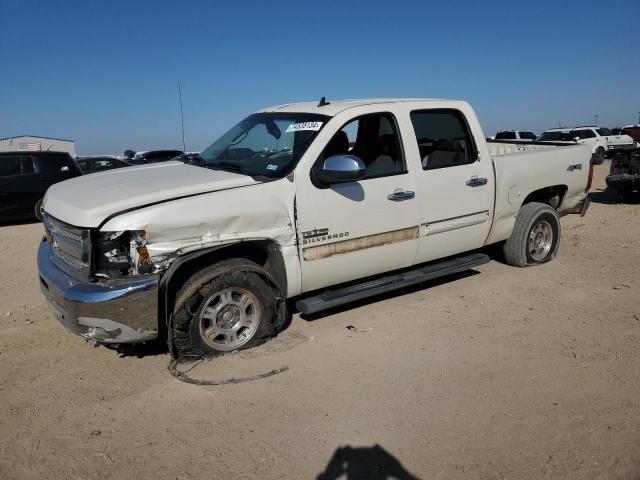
point(340, 169)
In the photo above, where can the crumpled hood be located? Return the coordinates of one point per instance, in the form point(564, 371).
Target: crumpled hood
point(88, 200)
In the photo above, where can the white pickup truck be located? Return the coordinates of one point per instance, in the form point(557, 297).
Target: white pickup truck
point(326, 202)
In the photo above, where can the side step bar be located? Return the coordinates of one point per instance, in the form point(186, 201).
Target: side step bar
point(334, 298)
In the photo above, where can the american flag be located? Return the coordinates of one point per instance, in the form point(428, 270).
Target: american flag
point(30, 146)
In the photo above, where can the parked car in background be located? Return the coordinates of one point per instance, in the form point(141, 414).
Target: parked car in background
point(26, 176)
point(153, 156)
point(617, 140)
point(99, 164)
point(585, 135)
point(632, 130)
point(520, 135)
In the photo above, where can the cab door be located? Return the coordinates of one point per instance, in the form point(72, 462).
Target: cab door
point(456, 183)
point(352, 230)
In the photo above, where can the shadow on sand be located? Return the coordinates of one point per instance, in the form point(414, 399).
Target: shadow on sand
point(364, 463)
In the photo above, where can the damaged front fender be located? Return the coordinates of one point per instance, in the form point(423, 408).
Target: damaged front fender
point(170, 230)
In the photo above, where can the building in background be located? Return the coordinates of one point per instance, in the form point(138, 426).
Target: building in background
point(31, 143)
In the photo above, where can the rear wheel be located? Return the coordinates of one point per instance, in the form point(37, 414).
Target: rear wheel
point(38, 211)
point(599, 156)
point(225, 307)
point(535, 236)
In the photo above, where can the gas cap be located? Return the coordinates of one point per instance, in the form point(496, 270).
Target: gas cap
point(515, 195)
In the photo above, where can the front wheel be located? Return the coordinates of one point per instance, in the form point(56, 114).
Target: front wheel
point(535, 236)
point(38, 211)
point(224, 308)
point(599, 156)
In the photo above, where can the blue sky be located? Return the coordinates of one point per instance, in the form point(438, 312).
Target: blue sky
point(104, 73)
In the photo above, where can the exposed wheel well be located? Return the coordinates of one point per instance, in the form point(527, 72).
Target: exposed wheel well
point(265, 253)
point(552, 196)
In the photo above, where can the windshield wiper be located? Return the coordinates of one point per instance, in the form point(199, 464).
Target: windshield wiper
point(228, 167)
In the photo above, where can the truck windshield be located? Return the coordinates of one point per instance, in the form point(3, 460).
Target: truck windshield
point(264, 144)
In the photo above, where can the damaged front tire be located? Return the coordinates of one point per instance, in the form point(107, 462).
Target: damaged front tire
point(223, 308)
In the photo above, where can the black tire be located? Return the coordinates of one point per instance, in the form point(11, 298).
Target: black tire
point(37, 209)
point(599, 156)
point(629, 196)
point(215, 282)
point(532, 216)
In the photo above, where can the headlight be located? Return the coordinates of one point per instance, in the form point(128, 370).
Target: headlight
point(121, 254)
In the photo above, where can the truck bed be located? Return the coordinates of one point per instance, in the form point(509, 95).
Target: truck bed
point(501, 147)
point(531, 167)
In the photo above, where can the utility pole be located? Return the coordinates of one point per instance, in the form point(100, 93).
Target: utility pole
point(596, 119)
point(638, 118)
point(184, 146)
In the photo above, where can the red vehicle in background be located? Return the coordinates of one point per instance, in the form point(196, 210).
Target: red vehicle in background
point(632, 130)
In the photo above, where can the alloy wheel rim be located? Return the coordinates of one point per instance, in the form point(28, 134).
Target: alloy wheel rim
point(229, 318)
point(540, 240)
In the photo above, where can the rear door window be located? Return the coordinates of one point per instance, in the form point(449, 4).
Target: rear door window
point(443, 138)
point(586, 134)
point(506, 136)
point(9, 166)
point(26, 165)
point(103, 164)
point(528, 136)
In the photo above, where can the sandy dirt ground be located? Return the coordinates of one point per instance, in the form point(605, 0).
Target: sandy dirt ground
point(499, 373)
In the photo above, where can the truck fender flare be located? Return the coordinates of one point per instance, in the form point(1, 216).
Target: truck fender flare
point(165, 308)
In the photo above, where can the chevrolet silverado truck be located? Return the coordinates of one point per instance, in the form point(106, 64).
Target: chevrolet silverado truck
point(324, 203)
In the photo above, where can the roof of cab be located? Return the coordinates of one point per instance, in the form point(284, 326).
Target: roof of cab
point(333, 107)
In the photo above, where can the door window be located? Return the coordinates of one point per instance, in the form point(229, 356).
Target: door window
point(583, 134)
point(84, 165)
point(56, 164)
point(528, 136)
point(26, 164)
point(9, 166)
point(102, 164)
point(506, 136)
point(373, 138)
point(443, 139)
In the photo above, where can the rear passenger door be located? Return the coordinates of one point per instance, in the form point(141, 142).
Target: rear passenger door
point(455, 184)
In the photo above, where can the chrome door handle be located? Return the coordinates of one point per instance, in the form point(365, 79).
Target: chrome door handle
point(401, 196)
point(477, 181)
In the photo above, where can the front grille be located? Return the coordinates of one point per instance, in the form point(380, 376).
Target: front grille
point(71, 246)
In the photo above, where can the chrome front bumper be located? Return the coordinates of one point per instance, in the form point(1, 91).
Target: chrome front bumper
point(112, 311)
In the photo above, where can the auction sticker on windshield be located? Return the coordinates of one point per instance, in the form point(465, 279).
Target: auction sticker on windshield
point(296, 127)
